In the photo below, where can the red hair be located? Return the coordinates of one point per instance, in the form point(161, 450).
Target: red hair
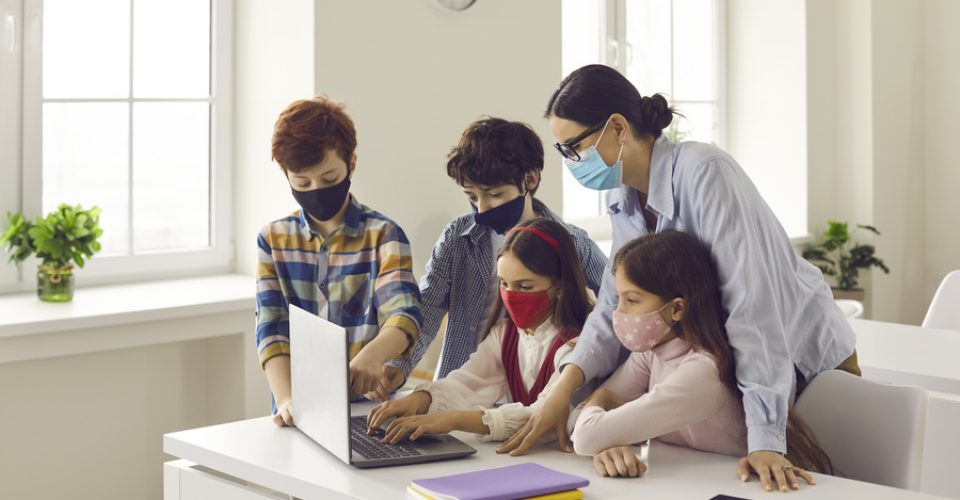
point(307, 129)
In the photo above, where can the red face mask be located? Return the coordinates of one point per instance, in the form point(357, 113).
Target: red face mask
point(526, 308)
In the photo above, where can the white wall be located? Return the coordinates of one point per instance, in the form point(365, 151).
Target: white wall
point(941, 109)
point(898, 158)
point(90, 426)
point(412, 78)
point(883, 114)
point(274, 66)
point(767, 102)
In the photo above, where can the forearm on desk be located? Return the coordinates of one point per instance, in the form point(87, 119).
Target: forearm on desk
point(471, 421)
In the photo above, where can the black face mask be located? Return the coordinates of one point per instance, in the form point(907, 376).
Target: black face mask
point(323, 203)
point(501, 218)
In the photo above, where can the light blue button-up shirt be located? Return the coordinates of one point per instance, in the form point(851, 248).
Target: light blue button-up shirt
point(781, 311)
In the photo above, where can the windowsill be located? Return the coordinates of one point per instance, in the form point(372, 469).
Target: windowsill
point(24, 314)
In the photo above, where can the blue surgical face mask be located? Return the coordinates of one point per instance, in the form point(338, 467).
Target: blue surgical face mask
point(594, 173)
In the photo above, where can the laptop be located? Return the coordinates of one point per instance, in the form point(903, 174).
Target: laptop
point(319, 369)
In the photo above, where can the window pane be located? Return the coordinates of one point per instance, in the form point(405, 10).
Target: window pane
point(694, 50)
point(171, 175)
point(86, 48)
point(171, 48)
point(698, 123)
point(85, 161)
point(580, 25)
point(648, 35)
point(578, 201)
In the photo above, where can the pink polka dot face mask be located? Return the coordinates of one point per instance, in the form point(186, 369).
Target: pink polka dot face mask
point(640, 332)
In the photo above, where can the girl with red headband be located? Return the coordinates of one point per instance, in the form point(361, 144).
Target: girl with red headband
point(546, 300)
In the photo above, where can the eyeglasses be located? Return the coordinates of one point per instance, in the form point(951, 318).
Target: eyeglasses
point(569, 149)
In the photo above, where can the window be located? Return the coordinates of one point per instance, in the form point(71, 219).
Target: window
point(672, 47)
point(125, 105)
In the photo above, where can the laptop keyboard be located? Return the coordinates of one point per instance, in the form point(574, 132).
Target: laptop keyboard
point(369, 446)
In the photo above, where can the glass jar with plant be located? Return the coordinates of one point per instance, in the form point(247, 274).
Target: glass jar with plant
point(65, 237)
point(843, 263)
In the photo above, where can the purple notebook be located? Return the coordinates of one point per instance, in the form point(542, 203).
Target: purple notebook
point(503, 483)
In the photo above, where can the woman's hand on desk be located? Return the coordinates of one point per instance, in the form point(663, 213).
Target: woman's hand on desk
point(284, 415)
point(416, 403)
point(552, 415)
point(771, 466)
point(619, 461)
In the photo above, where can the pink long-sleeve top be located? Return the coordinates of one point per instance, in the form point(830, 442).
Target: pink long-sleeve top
point(672, 393)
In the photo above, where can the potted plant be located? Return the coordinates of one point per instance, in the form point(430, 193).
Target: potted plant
point(835, 259)
point(65, 237)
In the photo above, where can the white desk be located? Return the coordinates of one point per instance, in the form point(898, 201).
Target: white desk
point(279, 462)
point(908, 355)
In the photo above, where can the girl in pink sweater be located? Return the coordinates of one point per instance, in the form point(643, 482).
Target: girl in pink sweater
point(678, 385)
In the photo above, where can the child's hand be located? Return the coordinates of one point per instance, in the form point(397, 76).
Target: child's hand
point(418, 425)
point(391, 378)
point(364, 372)
point(415, 403)
point(605, 398)
point(284, 415)
point(619, 461)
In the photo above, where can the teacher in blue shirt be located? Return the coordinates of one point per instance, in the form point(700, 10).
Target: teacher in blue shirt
point(783, 324)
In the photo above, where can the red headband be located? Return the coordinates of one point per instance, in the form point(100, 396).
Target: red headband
point(540, 234)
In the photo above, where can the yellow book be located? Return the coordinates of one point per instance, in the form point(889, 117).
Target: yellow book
point(562, 495)
point(415, 493)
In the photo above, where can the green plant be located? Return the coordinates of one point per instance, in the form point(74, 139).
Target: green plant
point(673, 132)
point(834, 259)
point(68, 234)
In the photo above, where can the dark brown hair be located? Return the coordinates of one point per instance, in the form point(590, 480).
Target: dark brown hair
point(562, 265)
point(494, 151)
point(590, 94)
point(673, 264)
point(307, 129)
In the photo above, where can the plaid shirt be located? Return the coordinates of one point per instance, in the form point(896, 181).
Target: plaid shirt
point(360, 276)
point(459, 276)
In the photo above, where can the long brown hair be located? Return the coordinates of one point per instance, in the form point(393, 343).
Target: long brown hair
point(673, 264)
point(562, 265)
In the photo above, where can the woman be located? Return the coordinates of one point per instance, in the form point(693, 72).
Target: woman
point(783, 324)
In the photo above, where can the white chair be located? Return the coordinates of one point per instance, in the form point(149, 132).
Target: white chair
point(850, 308)
point(871, 431)
point(944, 311)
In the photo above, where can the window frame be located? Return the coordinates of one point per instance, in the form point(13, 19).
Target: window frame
point(614, 52)
point(219, 257)
point(11, 32)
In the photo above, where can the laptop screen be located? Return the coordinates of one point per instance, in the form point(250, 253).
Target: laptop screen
point(319, 374)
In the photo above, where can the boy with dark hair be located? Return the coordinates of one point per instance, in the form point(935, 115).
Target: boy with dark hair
point(498, 164)
point(335, 257)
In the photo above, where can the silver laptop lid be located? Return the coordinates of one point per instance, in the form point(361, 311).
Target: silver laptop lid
point(318, 378)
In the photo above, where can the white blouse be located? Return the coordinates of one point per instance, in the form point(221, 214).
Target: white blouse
point(482, 380)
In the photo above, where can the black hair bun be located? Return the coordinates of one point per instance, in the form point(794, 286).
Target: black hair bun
point(655, 112)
